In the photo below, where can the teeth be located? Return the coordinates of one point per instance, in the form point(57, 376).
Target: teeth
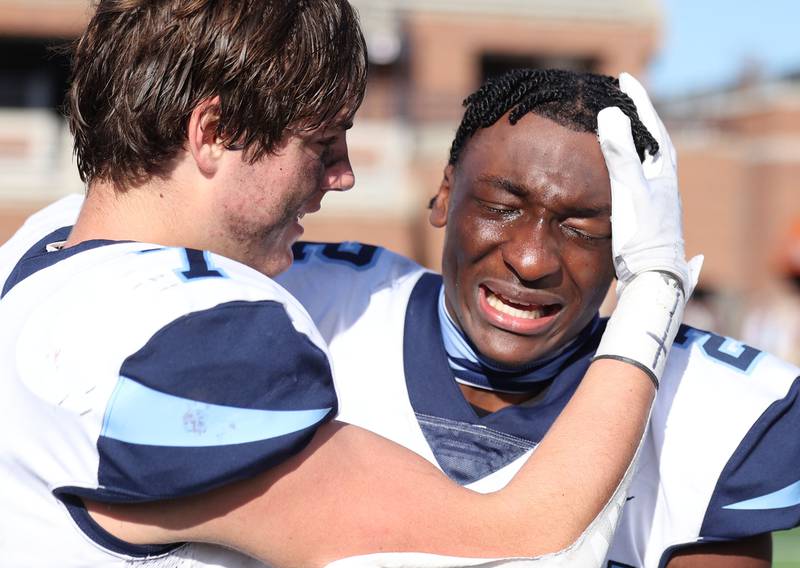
point(498, 305)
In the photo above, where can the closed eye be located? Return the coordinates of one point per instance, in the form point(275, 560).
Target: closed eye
point(326, 146)
point(498, 208)
point(582, 234)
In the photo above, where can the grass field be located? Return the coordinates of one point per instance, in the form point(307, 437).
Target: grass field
point(786, 549)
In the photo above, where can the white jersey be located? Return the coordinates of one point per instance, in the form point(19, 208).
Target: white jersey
point(135, 372)
point(62, 213)
point(50, 509)
point(720, 460)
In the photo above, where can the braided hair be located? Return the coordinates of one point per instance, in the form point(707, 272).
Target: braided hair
point(568, 98)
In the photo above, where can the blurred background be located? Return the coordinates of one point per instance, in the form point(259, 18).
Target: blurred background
point(725, 78)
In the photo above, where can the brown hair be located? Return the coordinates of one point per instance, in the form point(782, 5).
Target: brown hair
point(142, 66)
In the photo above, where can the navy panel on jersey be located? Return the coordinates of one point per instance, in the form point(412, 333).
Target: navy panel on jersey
point(759, 488)
point(468, 452)
point(484, 444)
point(98, 534)
point(37, 257)
point(215, 396)
point(134, 472)
point(243, 354)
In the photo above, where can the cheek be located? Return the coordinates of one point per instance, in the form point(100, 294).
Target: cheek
point(464, 245)
point(475, 235)
point(592, 271)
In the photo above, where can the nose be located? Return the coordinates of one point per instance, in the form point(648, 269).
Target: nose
point(339, 174)
point(531, 253)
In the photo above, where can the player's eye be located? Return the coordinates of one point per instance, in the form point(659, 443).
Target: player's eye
point(498, 209)
point(325, 146)
point(582, 233)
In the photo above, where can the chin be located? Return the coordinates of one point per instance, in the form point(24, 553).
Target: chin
point(507, 354)
point(519, 351)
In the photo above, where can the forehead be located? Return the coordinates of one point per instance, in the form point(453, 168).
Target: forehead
point(539, 154)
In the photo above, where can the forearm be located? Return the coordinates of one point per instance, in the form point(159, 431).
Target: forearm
point(574, 481)
point(351, 492)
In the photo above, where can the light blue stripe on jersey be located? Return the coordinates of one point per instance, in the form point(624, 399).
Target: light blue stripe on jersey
point(789, 496)
point(140, 415)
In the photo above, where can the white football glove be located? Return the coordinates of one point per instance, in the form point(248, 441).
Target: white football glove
point(654, 278)
point(645, 205)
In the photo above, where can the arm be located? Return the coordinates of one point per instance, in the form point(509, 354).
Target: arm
point(351, 492)
point(754, 552)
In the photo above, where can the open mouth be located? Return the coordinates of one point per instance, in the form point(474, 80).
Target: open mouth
point(519, 309)
point(517, 315)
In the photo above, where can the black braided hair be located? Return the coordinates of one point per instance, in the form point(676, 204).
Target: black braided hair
point(568, 98)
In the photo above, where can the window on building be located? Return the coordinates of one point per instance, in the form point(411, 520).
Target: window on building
point(494, 64)
point(386, 91)
point(33, 74)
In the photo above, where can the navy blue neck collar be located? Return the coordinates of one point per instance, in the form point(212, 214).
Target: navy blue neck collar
point(473, 369)
point(38, 256)
point(432, 387)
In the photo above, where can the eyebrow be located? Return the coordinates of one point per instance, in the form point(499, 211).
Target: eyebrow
point(344, 125)
point(585, 211)
point(504, 184)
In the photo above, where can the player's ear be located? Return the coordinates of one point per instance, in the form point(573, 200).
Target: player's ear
point(203, 139)
point(441, 201)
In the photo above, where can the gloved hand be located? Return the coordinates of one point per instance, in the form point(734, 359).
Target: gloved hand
point(654, 278)
point(645, 205)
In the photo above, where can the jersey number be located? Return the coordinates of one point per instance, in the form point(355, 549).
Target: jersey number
point(198, 266)
point(353, 254)
point(713, 347)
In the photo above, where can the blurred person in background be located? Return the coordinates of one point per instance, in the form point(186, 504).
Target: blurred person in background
point(470, 368)
point(773, 324)
point(701, 311)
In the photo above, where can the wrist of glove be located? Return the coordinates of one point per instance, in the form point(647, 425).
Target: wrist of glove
point(644, 323)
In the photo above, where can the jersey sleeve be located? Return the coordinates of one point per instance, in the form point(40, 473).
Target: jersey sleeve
point(214, 396)
point(139, 373)
point(719, 437)
point(759, 488)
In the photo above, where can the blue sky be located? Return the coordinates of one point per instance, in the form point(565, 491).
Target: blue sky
point(705, 43)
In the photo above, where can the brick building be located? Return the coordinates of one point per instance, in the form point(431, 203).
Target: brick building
point(739, 150)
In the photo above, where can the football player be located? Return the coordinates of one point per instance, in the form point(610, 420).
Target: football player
point(470, 369)
point(158, 387)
